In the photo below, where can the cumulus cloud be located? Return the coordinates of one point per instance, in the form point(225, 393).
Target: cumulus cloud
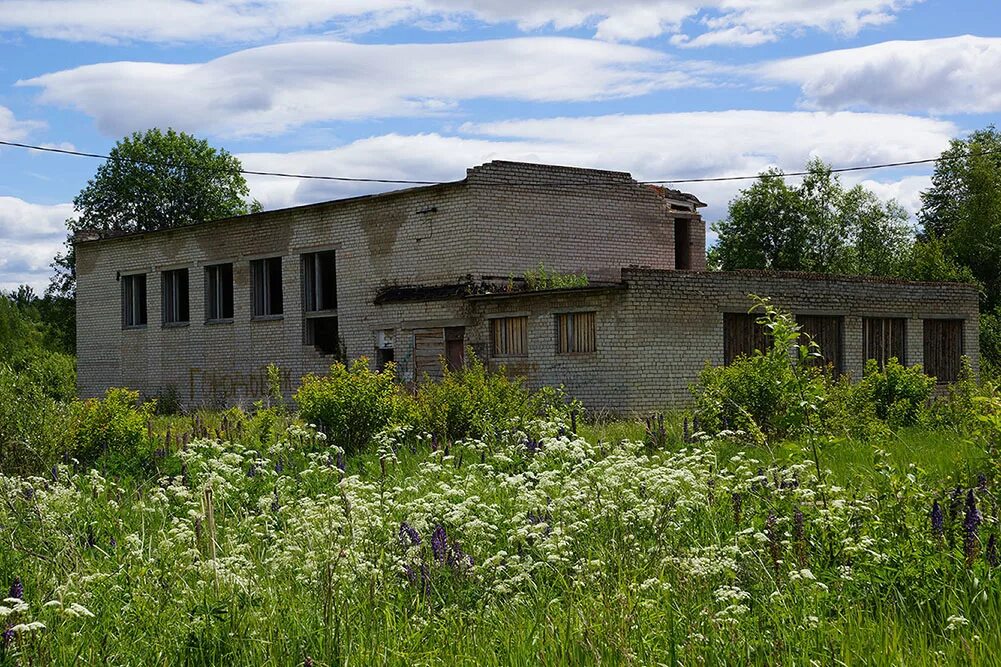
point(952, 75)
point(730, 22)
point(13, 129)
point(31, 236)
point(651, 147)
point(271, 89)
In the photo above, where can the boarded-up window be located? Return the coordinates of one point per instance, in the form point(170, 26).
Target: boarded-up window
point(134, 300)
point(883, 338)
point(825, 330)
point(266, 275)
point(509, 337)
point(174, 297)
point(429, 348)
point(575, 333)
point(943, 348)
point(742, 335)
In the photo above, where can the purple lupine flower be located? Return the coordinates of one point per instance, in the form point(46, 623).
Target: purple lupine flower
point(457, 558)
point(279, 467)
point(955, 505)
point(982, 483)
point(937, 521)
point(55, 473)
point(29, 492)
point(799, 537)
point(274, 504)
point(252, 470)
point(16, 589)
point(409, 535)
point(738, 507)
point(533, 445)
point(8, 635)
point(971, 526)
point(439, 543)
point(341, 465)
point(91, 540)
point(991, 554)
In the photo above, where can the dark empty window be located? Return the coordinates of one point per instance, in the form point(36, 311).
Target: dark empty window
point(219, 292)
point(943, 349)
point(455, 347)
point(321, 333)
point(266, 277)
point(319, 281)
point(883, 338)
point(175, 296)
point(575, 333)
point(134, 300)
point(825, 330)
point(682, 244)
point(742, 335)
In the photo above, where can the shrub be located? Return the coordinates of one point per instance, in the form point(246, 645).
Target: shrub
point(113, 428)
point(472, 401)
point(352, 404)
point(53, 373)
point(774, 392)
point(32, 432)
point(898, 393)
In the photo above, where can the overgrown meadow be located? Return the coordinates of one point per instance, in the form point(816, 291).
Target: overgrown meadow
point(475, 522)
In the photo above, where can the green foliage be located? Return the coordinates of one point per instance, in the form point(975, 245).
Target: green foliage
point(897, 393)
point(473, 401)
point(818, 226)
point(351, 404)
point(155, 180)
point(990, 344)
point(928, 259)
point(28, 345)
point(112, 429)
point(32, 431)
point(772, 392)
point(541, 278)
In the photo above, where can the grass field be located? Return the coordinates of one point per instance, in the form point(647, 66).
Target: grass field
point(531, 546)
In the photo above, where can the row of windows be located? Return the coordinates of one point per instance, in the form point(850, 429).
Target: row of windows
point(882, 338)
point(319, 281)
point(575, 334)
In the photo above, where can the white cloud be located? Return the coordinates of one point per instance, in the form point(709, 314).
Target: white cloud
point(248, 21)
point(274, 88)
point(31, 236)
point(952, 75)
point(907, 191)
point(651, 147)
point(12, 129)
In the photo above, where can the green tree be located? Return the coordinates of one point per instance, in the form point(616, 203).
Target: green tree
point(962, 208)
point(818, 226)
point(155, 180)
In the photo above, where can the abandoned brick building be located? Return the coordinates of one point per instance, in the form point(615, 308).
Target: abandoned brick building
point(421, 275)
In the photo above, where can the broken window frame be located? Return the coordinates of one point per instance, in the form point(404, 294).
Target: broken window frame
point(509, 337)
point(267, 294)
point(174, 297)
point(134, 314)
point(219, 292)
point(576, 333)
point(319, 281)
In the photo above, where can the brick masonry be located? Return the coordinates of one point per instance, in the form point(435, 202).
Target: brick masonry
point(656, 327)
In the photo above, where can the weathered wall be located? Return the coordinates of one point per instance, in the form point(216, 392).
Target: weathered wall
point(432, 235)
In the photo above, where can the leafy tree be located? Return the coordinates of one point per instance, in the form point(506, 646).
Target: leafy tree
point(818, 226)
point(963, 207)
point(155, 180)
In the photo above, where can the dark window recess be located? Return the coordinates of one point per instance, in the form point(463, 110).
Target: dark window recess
point(321, 333)
point(134, 300)
point(455, 347)
point(825, 330)
point(883, 338)
point(943, 349)
point(175, 296)
point(266, 278)
point(383, 357)
point(682, 244)
point(319, 281)
point(742, 335)
point(219, 292)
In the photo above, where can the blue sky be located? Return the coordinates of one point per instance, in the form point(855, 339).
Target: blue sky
point(423, 89)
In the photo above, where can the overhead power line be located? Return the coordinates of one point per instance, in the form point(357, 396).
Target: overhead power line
point(348, 179)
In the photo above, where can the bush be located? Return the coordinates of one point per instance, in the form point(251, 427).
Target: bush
point(472, 401)
point(52, 372)
point(32, 424)
point(350, 404)
point(772, 392)
point(898, 393)
point(113, 428)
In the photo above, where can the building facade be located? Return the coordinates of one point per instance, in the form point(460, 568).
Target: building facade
point(420, 276)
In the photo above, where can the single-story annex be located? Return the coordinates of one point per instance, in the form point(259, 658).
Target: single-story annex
point(419, 276)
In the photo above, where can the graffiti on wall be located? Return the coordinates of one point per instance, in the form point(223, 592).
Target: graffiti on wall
point(227, 385)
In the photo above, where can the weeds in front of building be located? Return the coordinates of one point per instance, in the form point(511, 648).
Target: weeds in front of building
point(791, 517)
